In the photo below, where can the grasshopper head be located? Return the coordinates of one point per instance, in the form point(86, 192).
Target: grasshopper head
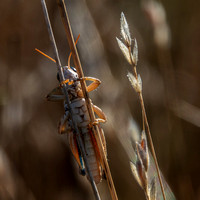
point(69, 73)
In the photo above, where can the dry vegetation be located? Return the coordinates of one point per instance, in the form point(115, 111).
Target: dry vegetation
point(35, 162)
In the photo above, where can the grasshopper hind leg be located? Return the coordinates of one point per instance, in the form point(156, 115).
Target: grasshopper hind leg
point(81, 166)
point(76, 153)
point(65, 127)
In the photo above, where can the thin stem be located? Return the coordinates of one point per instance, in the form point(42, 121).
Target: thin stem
point(148, 129)
point(143, 121)
point(151, 144)
point(78, 66)
point(59, 67)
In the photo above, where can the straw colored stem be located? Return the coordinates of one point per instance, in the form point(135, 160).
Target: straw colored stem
point(78, 66)
point(151, 144)
point(145, 121)
point(59, 67)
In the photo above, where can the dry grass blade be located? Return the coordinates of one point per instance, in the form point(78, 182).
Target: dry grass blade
point(62, 79)
point(78, 66)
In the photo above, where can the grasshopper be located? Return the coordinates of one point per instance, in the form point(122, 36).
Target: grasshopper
point(82, 119)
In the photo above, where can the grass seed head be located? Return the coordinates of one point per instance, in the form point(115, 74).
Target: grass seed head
point(143, 155)
point(125, 30)
point(142, 174)
point(152, 189)
point(124, 50)
point(135, 53)
point(136, 83)
point(135, 173)
point(144, 146)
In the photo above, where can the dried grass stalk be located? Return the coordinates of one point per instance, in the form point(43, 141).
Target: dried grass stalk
point(95, 128)
point(65, 89)
point(142, 163)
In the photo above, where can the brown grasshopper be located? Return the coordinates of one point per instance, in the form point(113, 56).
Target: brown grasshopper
point(81, 116)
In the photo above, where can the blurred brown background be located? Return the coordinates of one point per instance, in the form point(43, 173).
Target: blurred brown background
point(35, 162)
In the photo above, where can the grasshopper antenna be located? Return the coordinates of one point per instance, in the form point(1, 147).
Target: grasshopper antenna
point(44, 54)
point(70, 55)
point(62, 79)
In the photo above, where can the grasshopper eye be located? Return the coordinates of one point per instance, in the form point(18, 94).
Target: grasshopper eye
point(74, 69)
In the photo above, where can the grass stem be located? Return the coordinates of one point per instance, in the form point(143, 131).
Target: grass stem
point(59, 67)
point(70, 38)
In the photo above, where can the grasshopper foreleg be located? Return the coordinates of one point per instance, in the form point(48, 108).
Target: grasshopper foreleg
point(95, 84)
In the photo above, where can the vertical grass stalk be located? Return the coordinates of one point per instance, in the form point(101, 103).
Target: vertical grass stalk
point(59, 67)
point(76, 59)
point(131, 54)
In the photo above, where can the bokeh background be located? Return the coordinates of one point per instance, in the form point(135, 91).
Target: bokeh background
point(35, 162)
